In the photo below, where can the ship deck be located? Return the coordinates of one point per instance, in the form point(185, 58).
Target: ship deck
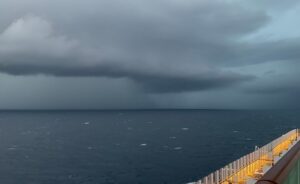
point(270, 164)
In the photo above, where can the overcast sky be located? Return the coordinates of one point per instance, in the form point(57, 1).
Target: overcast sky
point(87, 54)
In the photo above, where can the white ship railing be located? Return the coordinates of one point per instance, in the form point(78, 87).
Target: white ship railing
point(230, 173)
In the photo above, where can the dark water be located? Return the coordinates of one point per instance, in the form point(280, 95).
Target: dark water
point(130, 147)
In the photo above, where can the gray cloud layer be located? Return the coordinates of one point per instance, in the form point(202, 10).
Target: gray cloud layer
point(149, 51)
point(163, 46)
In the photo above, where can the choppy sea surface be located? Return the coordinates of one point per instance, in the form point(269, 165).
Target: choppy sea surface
point(130, 147)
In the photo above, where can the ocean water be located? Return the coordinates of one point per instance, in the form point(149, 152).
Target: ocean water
point(130, 147)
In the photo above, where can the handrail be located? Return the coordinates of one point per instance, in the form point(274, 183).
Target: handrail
point(281, 170)
point(249, 165)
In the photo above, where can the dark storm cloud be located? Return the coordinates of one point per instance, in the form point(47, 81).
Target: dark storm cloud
point(255, 53)
point(267, 90)
point(160, 84)
point(164, 46)
point(276, 95)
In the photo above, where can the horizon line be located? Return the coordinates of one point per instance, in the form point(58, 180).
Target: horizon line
point(149, 109)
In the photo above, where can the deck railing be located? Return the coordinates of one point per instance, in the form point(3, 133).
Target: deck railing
point(286, 170)
point(251, 165)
